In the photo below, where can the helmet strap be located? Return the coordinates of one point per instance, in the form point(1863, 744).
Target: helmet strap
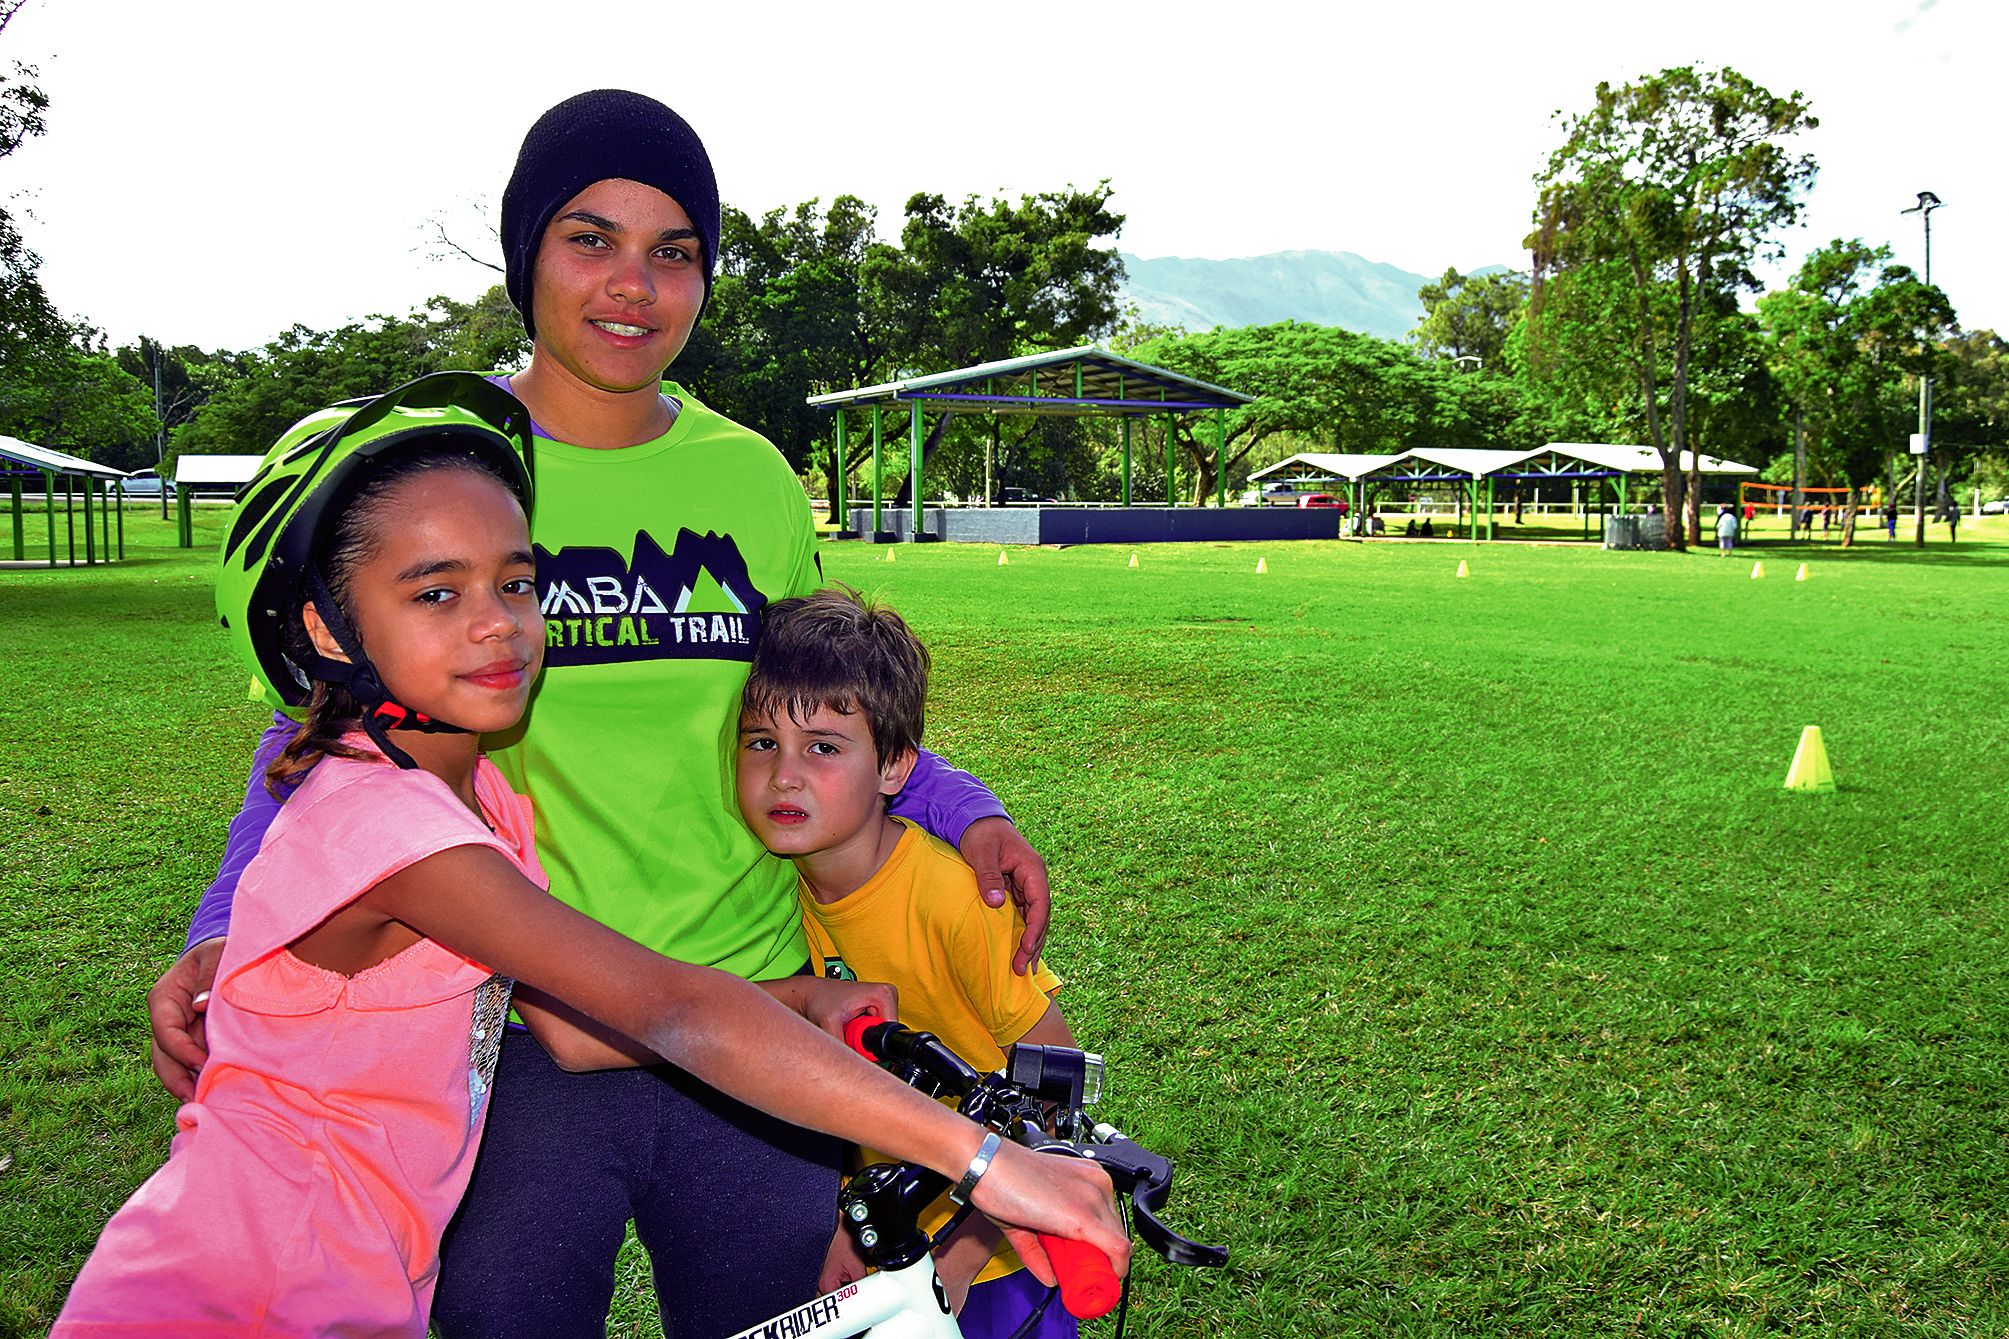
point(381, 712)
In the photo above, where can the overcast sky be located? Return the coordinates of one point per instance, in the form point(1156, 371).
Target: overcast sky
point(217, 170)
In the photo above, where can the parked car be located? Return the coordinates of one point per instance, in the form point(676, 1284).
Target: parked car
point(1322, 500)
point(145, 484)
point(1999, 507)
point(1011, 495)
point(1282, 495)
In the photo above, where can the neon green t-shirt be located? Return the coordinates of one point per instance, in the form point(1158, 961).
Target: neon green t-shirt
point(653, 564)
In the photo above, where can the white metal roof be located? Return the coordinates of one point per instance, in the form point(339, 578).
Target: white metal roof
point(1338, 464)
point(216, 470)
point(42, 458)
point(1472, 461)
point(1477, 462)
point(1642, 459)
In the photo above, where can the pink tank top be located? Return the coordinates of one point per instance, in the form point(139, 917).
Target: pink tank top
point(335, 1124)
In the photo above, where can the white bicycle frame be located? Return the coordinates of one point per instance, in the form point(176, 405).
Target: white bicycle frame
point(904, 1303)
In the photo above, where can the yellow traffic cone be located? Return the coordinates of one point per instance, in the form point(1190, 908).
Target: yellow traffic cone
point(1002, 561)
point(890, 553)
point(1133, 560)
point(1810, 771)
point(1757, 570)
point(1463, 570)
point(1801, 575)
point(1261, 567)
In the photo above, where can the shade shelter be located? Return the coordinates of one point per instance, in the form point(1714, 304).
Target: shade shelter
point(1089, 380)
point(81, 481)
point(214, 476)
point(1472, 474)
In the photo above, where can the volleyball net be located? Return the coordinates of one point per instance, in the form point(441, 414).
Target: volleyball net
point(1778, 498)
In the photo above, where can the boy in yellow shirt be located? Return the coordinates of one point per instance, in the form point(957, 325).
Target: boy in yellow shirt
point(829, 724)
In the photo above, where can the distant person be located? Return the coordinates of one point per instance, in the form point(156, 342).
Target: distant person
point(1952, 524)
point(1726, 529)
point(1425, 532)
point(828, 727)
point(1750, 512)
point(1890, 520)
point(1410, 529)
point(1827, 520)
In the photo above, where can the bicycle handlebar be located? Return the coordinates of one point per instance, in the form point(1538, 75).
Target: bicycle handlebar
point(1088, 1284)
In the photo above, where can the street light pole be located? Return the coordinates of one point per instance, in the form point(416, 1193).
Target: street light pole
point(1927, 202)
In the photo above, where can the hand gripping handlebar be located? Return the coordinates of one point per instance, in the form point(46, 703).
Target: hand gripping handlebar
point(1088, 1283)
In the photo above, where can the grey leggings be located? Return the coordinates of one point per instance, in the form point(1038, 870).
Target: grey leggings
point(736, 1208)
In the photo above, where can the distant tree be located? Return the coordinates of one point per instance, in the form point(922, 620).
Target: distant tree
point(787, 321)
point(485, 335)
point(989, 280)
point(1349, 392)
point(1971, 406)
point(1664, 191)
point(1850, 335)
point(80, 401)
point(304, 370)
point(32, 333)
point(1734, 404)
point(1470, 315)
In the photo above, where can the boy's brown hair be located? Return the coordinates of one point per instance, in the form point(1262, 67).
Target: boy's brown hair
point(838, 650)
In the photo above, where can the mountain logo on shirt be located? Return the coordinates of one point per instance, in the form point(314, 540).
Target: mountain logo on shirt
point(696, 602)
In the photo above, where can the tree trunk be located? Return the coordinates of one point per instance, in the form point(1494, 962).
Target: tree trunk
point(1675, 486)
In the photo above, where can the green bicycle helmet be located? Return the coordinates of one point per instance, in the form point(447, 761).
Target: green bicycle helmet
point(266, 567)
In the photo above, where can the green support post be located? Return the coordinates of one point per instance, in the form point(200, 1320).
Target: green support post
point(1489, 507)
point(878, 475)
point(914, 465)
point(20, 530)
point(90, 523)
point(843, 501)
point(49, 493)
point(184, 519)
point(1220, 457)
point(1171, 464)
point(70, 518)
point(122, 523)
point(1127, 421)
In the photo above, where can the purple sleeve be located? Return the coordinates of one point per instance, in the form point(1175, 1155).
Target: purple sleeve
point(247, 833)
point(944, 800)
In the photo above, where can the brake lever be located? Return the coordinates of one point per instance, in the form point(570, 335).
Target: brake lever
point(1147, 1178)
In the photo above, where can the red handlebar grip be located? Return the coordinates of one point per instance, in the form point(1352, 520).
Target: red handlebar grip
point(854, 1033)
point(1088, 1283)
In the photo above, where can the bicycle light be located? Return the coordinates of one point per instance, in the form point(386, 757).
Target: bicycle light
point(1058, 1074)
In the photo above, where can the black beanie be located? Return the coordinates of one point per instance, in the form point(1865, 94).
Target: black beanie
point(599, 136)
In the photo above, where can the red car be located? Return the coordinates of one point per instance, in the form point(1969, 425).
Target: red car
point(1322, 500)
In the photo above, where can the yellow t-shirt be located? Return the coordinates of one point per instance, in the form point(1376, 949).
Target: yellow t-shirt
point(919, 925)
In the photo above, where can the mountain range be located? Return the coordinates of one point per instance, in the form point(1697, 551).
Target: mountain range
point(1325, 287)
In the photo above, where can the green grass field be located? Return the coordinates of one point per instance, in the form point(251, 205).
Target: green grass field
point(1455, 935)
